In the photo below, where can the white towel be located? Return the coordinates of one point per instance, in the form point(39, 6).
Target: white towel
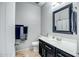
point(21, 33)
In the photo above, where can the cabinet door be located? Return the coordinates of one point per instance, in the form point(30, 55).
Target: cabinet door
point(60, 53)
point(41, 48)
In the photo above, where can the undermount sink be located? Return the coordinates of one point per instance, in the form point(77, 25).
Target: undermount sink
point(54, 39)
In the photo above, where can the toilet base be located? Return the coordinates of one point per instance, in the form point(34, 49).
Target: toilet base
point(35, 49)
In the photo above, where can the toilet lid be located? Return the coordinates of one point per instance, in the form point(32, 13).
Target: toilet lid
point(35, 43)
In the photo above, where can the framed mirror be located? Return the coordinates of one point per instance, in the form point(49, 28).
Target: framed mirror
point(62, 20)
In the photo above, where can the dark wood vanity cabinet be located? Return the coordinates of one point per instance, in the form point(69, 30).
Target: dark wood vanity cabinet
point(47, 50)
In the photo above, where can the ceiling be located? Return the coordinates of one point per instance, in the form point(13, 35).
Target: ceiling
point(40, 3)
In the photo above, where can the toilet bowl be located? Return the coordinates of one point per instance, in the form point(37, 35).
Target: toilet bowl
point(35, 46)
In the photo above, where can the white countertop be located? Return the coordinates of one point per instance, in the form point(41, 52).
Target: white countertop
point(69, 47)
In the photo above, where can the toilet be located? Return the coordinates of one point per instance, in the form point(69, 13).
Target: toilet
point(35, 46)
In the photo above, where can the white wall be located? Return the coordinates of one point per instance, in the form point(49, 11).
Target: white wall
point(46, 19)
point(7, 29)
point(47, 22)
point(29, 15)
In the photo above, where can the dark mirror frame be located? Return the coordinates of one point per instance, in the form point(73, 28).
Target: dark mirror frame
point(70, 20)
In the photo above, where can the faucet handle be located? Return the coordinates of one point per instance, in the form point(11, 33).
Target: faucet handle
point(58, 39)
point(53, 37)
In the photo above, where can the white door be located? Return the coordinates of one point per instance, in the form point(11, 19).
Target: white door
point(7, 29)
point(10, 29)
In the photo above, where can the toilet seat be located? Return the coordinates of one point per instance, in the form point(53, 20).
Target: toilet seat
point(35, 43)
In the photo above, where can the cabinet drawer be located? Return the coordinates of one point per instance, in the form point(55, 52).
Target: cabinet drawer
point(50, 48)
point(50, 52)
point(40, 41)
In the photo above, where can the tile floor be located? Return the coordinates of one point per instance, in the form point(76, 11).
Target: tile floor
point(27, 53)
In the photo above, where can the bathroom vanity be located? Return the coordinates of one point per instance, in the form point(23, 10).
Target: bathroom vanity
point(52, 48)
point(64, 22)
